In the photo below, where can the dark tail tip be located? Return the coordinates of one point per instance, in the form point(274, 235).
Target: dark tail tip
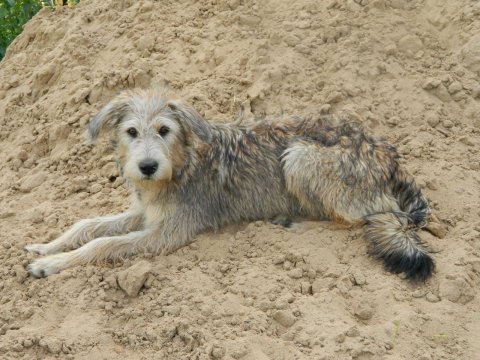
point(393, 239)
point(418, 267)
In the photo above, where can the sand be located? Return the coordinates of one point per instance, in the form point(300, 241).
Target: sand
point(409, 70)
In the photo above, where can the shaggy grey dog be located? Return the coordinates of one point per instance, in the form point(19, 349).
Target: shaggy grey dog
point(188, 175)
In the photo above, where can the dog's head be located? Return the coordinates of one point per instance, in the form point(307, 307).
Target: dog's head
point(152, 133)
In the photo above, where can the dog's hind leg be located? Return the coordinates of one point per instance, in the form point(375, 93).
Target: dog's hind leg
point(89, 229)
point(328, 183)
point(284, 221)
point(361, 184)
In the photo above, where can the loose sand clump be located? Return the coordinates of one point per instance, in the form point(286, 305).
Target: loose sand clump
point(407, 69)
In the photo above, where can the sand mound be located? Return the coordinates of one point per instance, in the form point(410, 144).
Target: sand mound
point(407, 69)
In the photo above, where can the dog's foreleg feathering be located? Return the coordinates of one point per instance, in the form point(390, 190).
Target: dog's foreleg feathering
point(160, 238)
point(88, 229)
point(100, 249)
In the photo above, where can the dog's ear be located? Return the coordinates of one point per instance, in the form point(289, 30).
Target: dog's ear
point(190, 119)
point(109, 117)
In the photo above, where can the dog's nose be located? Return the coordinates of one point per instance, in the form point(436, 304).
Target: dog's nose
point(148, 166)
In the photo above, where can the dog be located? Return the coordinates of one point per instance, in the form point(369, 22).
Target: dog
point(188, 176)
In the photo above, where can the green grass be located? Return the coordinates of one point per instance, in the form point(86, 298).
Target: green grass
point(15, 13)
point(396, 332)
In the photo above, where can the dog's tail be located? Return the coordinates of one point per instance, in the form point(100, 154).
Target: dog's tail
point(393, 236)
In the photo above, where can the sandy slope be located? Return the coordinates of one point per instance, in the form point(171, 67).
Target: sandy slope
point(407, 69)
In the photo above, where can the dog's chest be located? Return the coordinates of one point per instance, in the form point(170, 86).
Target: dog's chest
point(156, 212)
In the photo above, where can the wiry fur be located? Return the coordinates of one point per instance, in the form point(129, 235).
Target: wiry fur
point(213, 174)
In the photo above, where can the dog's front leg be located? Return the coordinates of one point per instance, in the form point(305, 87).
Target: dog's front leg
point(89, 229)
point(163, 237)
point(100, 249)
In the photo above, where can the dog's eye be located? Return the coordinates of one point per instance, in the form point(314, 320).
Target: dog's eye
point(132, 132)
point(163, 131)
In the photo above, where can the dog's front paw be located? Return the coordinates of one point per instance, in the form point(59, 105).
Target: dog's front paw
point(40, 249)
point(44, 267)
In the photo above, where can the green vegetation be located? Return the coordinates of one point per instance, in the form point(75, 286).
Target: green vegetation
point(396, 332)
point(15, 13)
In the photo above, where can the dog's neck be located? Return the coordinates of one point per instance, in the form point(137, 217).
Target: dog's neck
point(149, 191)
